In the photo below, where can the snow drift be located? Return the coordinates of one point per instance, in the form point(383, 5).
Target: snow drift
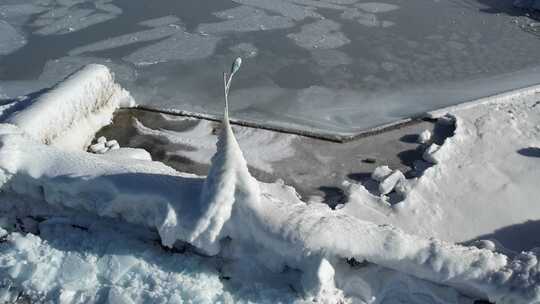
point(264, 222)
point(83, 102)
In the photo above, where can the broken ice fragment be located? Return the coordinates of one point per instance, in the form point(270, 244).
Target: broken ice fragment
point(390, 182)
point(424, 137)
point(381, 173)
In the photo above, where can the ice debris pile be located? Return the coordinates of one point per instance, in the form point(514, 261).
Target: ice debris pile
point(103, 145)
point(227, 214)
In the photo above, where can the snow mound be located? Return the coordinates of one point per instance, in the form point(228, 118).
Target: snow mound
point(84, 101)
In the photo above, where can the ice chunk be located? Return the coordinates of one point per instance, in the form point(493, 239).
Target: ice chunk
point(101, 140)
point(388, 184)
point(112, 143)
point(97, 147)
point(381, 173)
point(424, 137)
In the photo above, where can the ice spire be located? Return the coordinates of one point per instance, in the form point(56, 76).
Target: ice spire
point(228, 182)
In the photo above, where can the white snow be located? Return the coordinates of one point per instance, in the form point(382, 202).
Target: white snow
point(482, 183)
point(258, 226)
point(83, 102)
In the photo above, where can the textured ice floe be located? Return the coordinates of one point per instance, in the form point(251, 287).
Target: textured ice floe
point(161, 21)
point(284, 8)
point(245, 19)
point(180, 46)
point(376, 7)
point(323, 34)
point(114, 42)
point(10, 38)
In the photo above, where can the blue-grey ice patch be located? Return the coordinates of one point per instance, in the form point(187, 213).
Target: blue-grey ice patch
point(118, 41)
point(322, 34)
point(284, 8)
point(161, 21)
point(181, 46)
point(245, 19)
point(10, 38)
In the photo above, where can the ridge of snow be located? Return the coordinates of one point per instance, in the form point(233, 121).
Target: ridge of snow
point(83, 101)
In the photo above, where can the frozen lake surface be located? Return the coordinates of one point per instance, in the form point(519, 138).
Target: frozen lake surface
point(338, 66)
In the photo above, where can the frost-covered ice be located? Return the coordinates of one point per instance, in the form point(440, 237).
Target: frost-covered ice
point(322, 34)
point(180, 46)
point(200, 144)
point(373, 62)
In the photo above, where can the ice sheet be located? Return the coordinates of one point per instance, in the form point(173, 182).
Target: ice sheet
point(339, 66)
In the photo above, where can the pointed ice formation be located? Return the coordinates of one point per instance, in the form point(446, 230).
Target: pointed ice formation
point(228, 182)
